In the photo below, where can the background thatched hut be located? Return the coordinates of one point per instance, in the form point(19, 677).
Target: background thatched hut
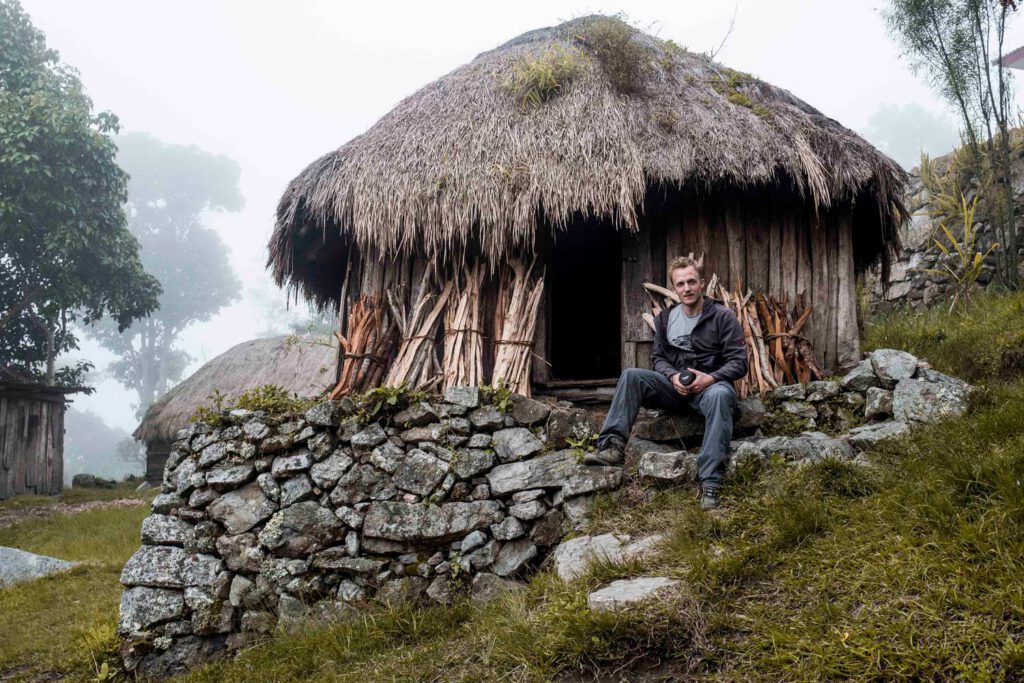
point(303, 365)
point(601, 152)
point(32, 438)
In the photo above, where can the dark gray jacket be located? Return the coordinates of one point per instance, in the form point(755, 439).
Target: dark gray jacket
point(719, 347)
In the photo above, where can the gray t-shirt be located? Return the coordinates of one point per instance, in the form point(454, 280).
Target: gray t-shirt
point(680, 326)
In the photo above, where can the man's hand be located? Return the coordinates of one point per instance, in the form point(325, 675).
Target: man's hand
point(681, 388)
point(703, 381)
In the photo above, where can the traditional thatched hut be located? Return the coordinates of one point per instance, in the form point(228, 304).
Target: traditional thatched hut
point(32, 438)
point(597, 153)
point(303, 365)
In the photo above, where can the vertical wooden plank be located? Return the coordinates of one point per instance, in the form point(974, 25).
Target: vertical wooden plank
point(757, 239)
point(695, 230)
point(819, 287)
point(735, 235)
point(713, 223)
point(58, 435)
point(5, 490)
point(540, 371)
point(789, 233)
point(21, 436)
point(637, 268)
point(775, 263)
point(848, 348)
point(832, 330)
point(673, 231)
point(804, 275)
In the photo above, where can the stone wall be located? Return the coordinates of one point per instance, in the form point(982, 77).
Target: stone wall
point(265, 519)
point(909, 282)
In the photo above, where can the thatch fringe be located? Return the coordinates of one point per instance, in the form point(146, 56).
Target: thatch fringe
point(462, 162)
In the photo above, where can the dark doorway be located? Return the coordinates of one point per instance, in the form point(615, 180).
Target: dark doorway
point(584, 302)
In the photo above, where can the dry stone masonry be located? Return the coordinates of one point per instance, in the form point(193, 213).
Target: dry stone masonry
point(263, 520)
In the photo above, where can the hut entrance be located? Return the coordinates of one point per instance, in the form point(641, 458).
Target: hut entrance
point(583, 304)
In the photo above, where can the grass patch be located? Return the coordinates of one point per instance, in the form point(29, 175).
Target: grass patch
point(66, 623)
point(617, 47)
point(125, 489)
point(537, 78)
point(982, 342)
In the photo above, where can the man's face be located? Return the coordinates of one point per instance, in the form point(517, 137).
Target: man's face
point(688, 285)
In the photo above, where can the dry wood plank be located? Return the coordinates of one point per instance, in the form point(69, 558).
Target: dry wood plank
point(758, 244)
point(817, 329)
point(735, 235)
point(829, 354)
point(775, 284)
point(848, 349)
point(789, 244)
point(716, 261)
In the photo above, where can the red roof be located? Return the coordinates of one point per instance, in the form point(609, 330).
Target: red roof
point(1015, 59)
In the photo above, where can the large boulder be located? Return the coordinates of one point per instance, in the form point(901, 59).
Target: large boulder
point(628, 592)
point(547, 471)
point(915, 400)
point(18, 565)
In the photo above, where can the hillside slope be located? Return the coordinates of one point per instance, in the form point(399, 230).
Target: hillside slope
point(904, 570)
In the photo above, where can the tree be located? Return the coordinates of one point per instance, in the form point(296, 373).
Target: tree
point(904, 132)
point(170, 188)
point(65, 251)
point(957, 45)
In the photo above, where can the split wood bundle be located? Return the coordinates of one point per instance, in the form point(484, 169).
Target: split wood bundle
point(793, 353)
point(371, 335)
point(463, 361)
point(776, 351)
point(416, 365)
point(516, 318)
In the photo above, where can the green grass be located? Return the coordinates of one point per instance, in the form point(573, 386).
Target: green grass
point(126, 489)
point(982, 343)
point(66, 623)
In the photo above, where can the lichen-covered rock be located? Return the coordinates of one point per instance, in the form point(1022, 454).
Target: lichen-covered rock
point(256, 430)
point(241, 553)
point(549, 529)
point(868, 435)
point(546, 471)
point(566, 424)
point(822, 390)
point(892, 365)
point(166, 502)
point(915, 400)
point(468, 397)
point(583, 479)
point(507, 529)
point(324, 414)
point(326, 473)
point(572, 557)
point(416, 415)
point(287, 465)
point(399, 521)
point(527, 511)
point(877, 403)
point(142, 608)
point(301, 530)
point(420, 473)
point(466, 464)
point(387, 457)
point(166, 530)
point(240, 510)
point(516, 443)
point(527, 411)
point(672, 467)
point(361, 483)
point(200, 569)
point(487, 418)
point(790, 392)
point(432, 432)
point(224, 478)
point(296, 489)
point(860, 378)
point(628, 592)
point(514, 556)
point(155, 566)
point(370, 437)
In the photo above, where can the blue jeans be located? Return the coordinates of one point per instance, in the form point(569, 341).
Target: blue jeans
point(649, 389)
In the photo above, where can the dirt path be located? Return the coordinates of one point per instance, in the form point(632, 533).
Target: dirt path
point(18, 515)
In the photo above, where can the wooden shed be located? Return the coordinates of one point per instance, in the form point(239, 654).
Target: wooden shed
point(641, 151)
point(302, 365)
point(32, 438)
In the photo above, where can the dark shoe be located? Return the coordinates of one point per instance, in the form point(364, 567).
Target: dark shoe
point(709, 499)
point(612, 454)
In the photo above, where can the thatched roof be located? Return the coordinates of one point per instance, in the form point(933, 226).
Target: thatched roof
point(465, 161)
point(303, 365)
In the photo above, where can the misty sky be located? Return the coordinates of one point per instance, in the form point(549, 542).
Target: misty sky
point(275, 85)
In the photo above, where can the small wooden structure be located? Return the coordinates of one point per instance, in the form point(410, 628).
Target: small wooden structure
point(32, 438)
point(588, 194)
point(305, 366)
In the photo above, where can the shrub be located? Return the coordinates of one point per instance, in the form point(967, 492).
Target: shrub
point(625, 60)
point(537, 78)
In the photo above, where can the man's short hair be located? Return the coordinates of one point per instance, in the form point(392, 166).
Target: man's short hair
point(686, 262)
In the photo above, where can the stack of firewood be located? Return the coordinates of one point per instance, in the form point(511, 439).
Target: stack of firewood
point(365, 351)
point(416, 365)
point(463, 361)
point(776, 351)
point(515, 319)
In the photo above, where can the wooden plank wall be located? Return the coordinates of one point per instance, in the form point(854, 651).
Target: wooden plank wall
point(756, 240)
point(31, 446)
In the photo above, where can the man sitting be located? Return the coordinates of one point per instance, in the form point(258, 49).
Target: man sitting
point(698, 351)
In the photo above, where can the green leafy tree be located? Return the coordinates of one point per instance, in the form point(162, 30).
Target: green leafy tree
point(957, 46)
point(65, 251)
point(170, 189)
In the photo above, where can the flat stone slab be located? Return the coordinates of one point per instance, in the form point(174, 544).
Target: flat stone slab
point(868, 435)
point(574, 556)
point(19, 565)
point(627, 592)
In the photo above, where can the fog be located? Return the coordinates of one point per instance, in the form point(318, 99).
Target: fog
point(275, 85)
